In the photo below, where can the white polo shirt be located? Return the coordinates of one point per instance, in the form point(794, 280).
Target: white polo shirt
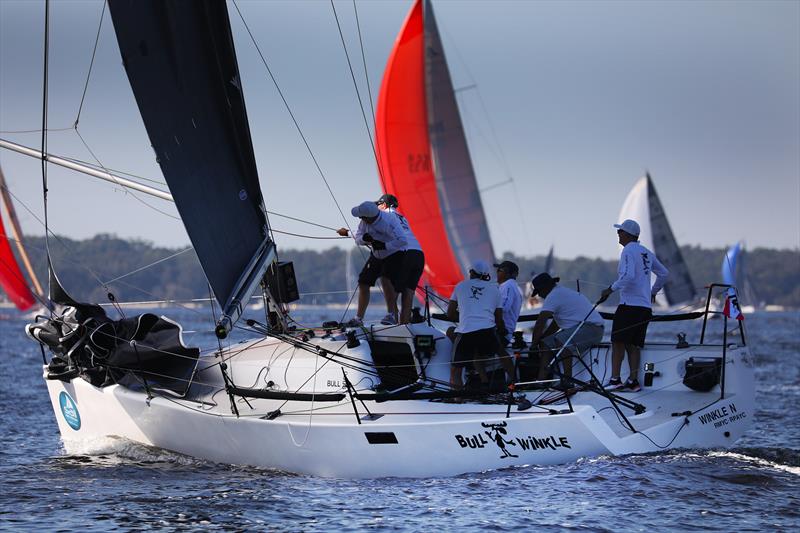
point(569, 307)
point(477, 301)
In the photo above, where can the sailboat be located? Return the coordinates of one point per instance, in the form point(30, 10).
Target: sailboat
point(644, 206)
point(423, 156)
point(733, 270)
point(11, 278)
point(329, 401)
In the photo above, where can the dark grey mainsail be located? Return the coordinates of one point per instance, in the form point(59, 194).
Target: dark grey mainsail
point(181, 63)
point(679, 287)
point(459, 198)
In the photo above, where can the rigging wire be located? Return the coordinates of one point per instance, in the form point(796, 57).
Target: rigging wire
point(91, 64)
point(291, 115)
point(44, 132)
point(358, 93)
point(369, 88)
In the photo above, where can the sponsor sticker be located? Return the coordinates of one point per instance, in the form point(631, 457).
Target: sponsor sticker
point(69, 410)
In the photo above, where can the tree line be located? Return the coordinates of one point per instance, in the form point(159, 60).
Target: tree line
point(135, 270)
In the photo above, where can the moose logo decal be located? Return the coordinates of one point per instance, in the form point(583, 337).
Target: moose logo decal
point(498, 434)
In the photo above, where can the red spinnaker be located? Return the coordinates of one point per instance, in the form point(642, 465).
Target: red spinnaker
point(404, 152)
point(11, 278)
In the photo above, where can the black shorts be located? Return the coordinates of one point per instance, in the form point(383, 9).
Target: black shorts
point(413, 265)
point(467, 347)
point(630, 324)
point(389, 267)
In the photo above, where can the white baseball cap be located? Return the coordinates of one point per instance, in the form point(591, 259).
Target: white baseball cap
point(630, 227)
point(365, 209)
point(481, 267)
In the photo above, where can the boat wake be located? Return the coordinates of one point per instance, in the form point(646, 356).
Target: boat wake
point(115, 451)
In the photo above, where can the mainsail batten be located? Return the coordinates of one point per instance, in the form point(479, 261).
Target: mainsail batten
point(181, 63)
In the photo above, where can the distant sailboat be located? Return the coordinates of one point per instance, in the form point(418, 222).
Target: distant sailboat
point(11, 278)
point(643, 205)
point(423, 155)
point(734, 273)
point(548, 262)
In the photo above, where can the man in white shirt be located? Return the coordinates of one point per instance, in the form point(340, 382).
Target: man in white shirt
point(636, 263)
point(511, 294)
point(477, 303)
point(382, 233)
point(572, 313)
point(413, 266)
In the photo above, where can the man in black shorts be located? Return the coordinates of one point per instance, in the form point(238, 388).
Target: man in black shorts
point(479, 307)
point(383, 234)
point(635, 304)
point(413, 266)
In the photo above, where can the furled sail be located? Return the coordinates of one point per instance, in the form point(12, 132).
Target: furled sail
point(423, 154)
point(181, 64)
point(643, 205)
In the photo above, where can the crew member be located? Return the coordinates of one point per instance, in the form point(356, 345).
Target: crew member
point(635, 304)
point(570, 311)
point(477, 304)
point(511, 294)
point(384, 235)
point(413, 265)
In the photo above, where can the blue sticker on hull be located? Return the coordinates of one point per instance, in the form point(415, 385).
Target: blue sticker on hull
point(69, 410)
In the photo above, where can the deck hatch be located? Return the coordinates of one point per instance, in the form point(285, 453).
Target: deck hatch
point(384, 437)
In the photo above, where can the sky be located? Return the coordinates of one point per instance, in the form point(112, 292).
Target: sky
point(571, 101)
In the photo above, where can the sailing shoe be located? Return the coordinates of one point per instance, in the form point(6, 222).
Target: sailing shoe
point(389, 320)
point(631, 385)
point(354, 322)
point(614, 384)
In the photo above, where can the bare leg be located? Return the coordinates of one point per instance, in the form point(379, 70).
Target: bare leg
point(405, 306)
point(617, 355)
point(363, 300)
point(480, 368)
point(566, 360)
point(390, 295)
point(634, 357)
point(455, 377)
point(545, 356)
point(508, 366)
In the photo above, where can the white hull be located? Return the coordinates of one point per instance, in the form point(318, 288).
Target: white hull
point(432, 438)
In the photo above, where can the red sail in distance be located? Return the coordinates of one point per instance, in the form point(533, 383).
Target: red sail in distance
point(11, 278)
point(404, 152)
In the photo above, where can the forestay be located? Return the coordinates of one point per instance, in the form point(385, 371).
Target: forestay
point(181, 63)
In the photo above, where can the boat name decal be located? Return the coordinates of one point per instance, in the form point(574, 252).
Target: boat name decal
point(722, 416)
point(497, 433)
point(69, 410)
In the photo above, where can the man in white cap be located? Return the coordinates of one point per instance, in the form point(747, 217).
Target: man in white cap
point(385, 237)
point(636, 298)
point(479, 307)
point(414, 265)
